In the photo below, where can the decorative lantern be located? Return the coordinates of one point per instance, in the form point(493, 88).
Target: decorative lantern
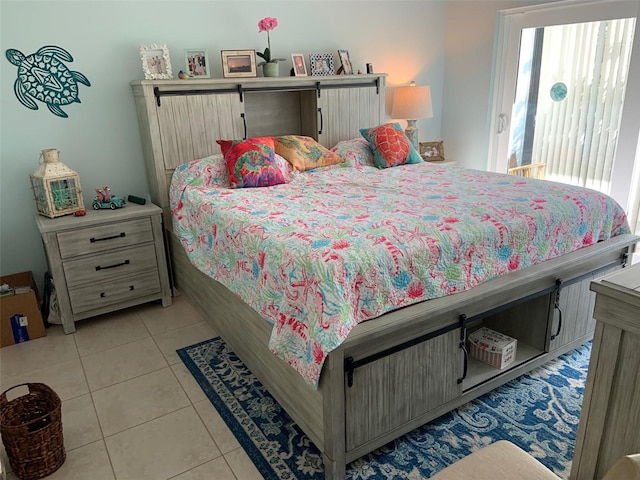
point(56, 188)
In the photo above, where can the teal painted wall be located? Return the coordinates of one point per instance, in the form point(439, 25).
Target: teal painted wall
point(100, 138)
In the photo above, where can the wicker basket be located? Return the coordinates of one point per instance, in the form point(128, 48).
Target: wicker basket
point(31, 428)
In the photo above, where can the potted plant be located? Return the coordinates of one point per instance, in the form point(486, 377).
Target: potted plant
point(269, 65)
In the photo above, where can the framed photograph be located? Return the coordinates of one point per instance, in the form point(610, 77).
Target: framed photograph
point(197, 63)
point(239, 63)
point(432, 151)
point(345, 61)
point(299, 68)
point(321, 64)
point(156, 63)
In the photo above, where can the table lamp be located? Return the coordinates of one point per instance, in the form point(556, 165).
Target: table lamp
point(411, 103)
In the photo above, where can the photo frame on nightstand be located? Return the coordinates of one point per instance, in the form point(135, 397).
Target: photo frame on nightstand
point(432, 151)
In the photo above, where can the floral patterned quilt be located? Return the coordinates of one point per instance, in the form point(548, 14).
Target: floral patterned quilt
point(338, 246)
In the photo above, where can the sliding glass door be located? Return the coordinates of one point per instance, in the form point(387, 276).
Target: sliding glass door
point(570, 90)
point(561, 81)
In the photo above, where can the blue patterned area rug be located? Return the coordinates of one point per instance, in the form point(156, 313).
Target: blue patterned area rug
point(539, 412)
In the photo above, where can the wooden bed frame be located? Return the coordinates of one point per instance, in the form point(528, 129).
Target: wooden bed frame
point(405, 368)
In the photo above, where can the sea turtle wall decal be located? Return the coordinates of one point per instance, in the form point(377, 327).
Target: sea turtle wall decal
point(44, 77)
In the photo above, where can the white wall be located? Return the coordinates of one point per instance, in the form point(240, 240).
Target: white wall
point(100, 138)
point(468, 62)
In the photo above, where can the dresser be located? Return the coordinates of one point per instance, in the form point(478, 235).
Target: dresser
point(106, 260)
point(610, 420)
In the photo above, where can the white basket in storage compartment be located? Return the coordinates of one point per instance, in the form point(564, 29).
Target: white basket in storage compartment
point(492, 347)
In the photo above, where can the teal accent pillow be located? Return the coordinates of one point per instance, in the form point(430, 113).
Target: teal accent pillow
point(390, 146)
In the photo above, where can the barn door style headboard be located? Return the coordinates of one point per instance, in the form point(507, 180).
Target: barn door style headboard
point(180, 120)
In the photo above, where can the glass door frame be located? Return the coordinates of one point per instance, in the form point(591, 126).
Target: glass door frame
point(509, 25)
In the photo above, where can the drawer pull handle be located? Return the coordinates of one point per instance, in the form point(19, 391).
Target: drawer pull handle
point(104, 294)
point(94, 239)
point(463, 346)
point(126, 262)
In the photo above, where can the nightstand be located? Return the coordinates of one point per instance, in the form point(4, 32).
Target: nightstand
point(443, 162)
point(106, 260)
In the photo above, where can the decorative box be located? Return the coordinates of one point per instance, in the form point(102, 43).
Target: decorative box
point(492, 347)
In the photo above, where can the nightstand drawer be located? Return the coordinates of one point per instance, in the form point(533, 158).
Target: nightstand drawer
point(110, 265)
point(104, 237)
point(96, 296)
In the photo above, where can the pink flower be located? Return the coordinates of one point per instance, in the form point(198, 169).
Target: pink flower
point(267, 24)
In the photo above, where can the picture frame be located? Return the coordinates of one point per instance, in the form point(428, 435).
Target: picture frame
point(239, 63)
point(299, 67)
point(321, 64)
point(197, 63)
point(156, 63)
point(345, 61)
point(432, 151)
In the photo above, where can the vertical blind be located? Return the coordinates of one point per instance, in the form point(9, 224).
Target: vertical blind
point(576, 137)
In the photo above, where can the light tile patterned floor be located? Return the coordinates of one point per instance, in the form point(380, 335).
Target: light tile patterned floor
point(130, 408)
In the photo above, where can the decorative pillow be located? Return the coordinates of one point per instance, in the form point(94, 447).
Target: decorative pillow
point(284, 166)
point(356, 151)
point(251, 162)
point(304, 153)
point(209, 171)
point(390, 146)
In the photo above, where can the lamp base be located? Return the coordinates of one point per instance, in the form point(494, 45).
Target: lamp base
point(412, 134)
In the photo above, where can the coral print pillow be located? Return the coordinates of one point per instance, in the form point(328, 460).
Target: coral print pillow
point(390, 146)
point(304, 153)
point(251, 162)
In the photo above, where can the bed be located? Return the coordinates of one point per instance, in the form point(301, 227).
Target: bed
point(403, 367)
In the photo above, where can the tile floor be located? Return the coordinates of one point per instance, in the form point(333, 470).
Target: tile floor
point(130, 408)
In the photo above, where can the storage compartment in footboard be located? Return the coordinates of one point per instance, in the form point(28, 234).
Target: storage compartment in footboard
point(554, 319)
point(527, 322)
point(397, 379)
point(573, 317)
point(398, 388)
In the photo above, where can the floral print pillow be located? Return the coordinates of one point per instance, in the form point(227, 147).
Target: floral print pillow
point(356, 152)
point(304, 153)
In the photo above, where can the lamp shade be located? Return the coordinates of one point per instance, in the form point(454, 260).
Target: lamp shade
point(56, 188)
point(412, 102)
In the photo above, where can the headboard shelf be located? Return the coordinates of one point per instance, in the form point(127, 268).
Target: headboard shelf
point(180, 120)
point(259, 81)
point(241, 88)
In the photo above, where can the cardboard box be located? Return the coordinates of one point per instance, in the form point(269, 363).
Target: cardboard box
point(20, 317)
point(492, 347)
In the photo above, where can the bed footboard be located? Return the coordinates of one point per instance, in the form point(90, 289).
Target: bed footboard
point(401, 370)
